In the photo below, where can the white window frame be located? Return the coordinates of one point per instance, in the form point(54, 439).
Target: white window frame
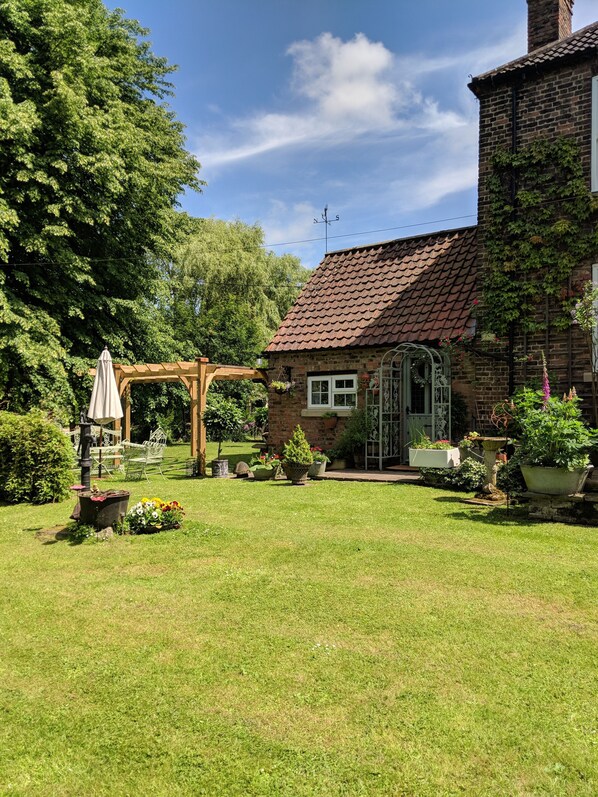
point(594, 166)
point(332, 391)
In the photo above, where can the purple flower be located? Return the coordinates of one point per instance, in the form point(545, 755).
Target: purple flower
point(545, 382)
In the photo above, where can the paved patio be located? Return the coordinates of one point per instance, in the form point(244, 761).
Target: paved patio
point(388, 475)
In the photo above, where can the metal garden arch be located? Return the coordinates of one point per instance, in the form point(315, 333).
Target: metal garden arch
point(409, 393)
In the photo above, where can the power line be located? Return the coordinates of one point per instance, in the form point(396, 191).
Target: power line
point(301, 240)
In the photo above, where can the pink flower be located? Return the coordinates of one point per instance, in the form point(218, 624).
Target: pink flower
point(545, 382)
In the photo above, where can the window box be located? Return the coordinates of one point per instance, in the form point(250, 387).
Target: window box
point(434, 457)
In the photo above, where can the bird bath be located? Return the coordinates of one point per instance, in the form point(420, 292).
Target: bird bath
point(489, 491)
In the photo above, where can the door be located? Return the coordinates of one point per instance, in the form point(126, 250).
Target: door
point(417, 391)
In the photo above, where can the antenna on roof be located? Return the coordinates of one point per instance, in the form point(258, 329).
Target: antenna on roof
point(326, 221)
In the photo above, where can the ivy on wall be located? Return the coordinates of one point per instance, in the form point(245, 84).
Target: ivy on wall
point(542, 224)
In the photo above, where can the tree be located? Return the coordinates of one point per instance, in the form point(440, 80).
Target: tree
point(225, 294)
point(91, 164)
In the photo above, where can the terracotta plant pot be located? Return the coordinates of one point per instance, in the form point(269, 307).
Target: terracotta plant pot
point(296, 473)
point(330, 423)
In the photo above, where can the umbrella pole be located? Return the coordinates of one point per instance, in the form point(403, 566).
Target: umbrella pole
point(100, 463)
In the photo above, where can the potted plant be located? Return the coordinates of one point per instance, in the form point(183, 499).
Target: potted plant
point(337, 461)
point(351, 442)
point(330, 419)
point(318, 468)
point(282, 387)
point(425, 453)
point(553, 445)
point(222, 419)
point(265, 466)
point(297, 457)
point(151, 515)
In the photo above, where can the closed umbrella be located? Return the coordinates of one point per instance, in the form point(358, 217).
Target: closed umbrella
point(105, 405)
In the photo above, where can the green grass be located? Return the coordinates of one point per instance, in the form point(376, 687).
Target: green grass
point(333, 639)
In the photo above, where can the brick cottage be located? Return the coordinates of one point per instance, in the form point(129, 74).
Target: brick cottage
point(366, 329)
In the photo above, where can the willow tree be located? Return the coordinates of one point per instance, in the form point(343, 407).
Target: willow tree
point(91, 164)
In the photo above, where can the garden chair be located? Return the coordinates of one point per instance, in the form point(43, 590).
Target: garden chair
point(134, 460)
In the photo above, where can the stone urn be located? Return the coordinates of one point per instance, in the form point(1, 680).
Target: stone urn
point(296, 473)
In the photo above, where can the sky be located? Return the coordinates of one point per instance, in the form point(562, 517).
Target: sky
point(360, 106)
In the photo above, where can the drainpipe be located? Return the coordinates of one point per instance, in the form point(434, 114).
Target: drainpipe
point(511, 332)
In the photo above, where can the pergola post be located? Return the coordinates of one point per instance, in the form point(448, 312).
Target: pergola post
point(127, 414)
point(202, 385)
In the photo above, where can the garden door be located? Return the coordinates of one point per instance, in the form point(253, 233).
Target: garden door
point(407, 396)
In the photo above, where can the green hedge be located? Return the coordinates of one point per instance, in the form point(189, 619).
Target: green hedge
point(35, 459)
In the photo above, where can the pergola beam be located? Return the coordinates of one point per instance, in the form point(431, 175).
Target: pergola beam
point(196, 376)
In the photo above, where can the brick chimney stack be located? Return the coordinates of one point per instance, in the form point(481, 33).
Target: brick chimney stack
point(548, 21)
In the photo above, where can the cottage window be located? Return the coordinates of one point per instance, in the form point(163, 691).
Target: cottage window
point(595, 134)
point(332, 391)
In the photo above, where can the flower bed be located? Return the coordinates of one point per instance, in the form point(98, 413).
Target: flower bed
point(151, 515)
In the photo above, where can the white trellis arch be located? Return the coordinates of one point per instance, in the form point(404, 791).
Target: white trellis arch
point(410, 391)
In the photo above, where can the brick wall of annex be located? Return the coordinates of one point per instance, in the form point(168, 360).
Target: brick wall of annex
point(551, 105)
point(285, 410)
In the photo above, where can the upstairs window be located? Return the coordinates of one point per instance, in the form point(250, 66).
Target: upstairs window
point(332, 391)
point(595, 134)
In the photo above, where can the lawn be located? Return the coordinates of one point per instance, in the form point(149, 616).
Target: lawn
point(333, 639)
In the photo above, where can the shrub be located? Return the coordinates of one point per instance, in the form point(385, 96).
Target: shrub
point(355, 434)
point(468, 477)
point(222, 419)
point(297, 451)
point(35, 459)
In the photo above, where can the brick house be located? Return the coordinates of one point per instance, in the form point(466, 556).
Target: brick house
point(387, 305)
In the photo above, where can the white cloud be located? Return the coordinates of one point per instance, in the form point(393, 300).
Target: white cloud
point(347, 90)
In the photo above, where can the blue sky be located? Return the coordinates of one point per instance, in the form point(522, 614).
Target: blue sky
point(358, 104)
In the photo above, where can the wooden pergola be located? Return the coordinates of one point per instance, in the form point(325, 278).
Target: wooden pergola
point(196, 376)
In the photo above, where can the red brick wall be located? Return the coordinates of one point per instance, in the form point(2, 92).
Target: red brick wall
point(548, 21)
point(285, 410)
point(555, 104)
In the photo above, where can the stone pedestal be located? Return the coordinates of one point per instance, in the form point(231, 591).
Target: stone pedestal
point(489, 491)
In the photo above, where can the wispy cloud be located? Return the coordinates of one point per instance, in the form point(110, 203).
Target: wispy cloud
point(345, 91)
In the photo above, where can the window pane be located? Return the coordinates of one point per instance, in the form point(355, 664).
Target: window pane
point(344, 400)
point(320, 392)
point(344, 384)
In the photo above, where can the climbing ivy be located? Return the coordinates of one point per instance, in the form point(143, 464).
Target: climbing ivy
point(542, 224)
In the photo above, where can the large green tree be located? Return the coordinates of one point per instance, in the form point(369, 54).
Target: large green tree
point(91, 164)
point(225, 294)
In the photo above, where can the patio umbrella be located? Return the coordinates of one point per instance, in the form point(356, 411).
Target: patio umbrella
point(105, 405)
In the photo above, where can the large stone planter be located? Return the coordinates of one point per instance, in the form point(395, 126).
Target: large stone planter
point(434, 457)
point(262, 474)
point(554, 481)
point(297, 474)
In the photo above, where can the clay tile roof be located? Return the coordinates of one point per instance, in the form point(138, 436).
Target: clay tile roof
point(581, 44)
point(409, 290)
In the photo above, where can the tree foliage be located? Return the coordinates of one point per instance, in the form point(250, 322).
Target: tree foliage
point(91, 164)
point(226, 295)
point(542, 225)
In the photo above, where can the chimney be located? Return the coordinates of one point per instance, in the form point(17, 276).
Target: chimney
point(548, 21)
